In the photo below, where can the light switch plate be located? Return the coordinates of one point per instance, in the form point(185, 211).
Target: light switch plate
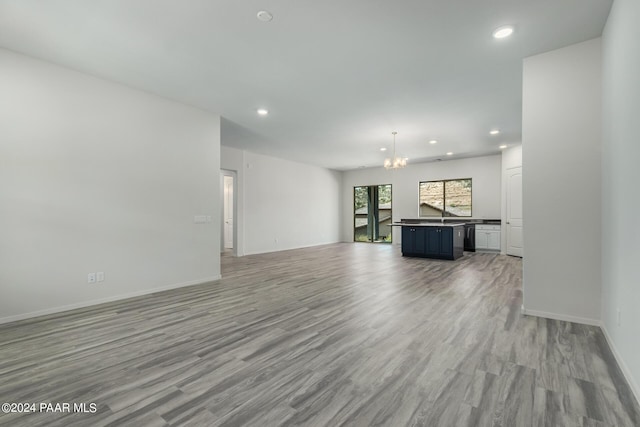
point(201, 219)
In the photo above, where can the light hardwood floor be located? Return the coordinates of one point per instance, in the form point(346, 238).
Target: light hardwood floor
point(344, 334)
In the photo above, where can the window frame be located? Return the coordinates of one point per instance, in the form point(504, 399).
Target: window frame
point(444, 198)
point(354, 211)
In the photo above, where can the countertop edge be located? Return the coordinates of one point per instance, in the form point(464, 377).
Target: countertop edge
point(437, 224)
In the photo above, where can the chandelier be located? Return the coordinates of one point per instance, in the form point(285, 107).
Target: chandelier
point(395, 162)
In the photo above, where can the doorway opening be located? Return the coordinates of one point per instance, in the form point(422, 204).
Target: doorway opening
point(372, 213)
point(228, 239)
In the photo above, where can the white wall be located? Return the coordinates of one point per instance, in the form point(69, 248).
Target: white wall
point(484, 171)
point(286, 205)
point(620, 177)
point(94, 177)
point(561, 133)
point(511, 158)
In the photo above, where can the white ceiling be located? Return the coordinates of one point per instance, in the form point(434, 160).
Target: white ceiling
point(337, 76)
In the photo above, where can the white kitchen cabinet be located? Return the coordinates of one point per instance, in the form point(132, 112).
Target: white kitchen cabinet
point(487, 237)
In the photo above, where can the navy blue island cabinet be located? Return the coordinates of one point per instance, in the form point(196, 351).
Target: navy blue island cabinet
point(440, 241)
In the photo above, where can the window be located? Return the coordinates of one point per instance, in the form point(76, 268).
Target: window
point(372, 213)
point(450, 197)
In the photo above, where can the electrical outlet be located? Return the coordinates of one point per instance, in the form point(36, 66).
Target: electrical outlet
point(618, 317)
point(100, 276)
point(91, 278)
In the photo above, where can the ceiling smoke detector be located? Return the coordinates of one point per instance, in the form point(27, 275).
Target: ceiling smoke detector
point(264, 16)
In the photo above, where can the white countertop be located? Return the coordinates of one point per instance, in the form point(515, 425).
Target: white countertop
point(428, 224)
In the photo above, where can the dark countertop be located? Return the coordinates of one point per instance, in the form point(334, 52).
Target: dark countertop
point(415, 221)
point(428, 224)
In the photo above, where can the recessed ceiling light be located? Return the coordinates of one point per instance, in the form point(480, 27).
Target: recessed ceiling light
point(503, 147)
point(262, 111)
point(264, 16)
point(383, 149)
point(495, 131)
point(433, 141)
point(449, 153)
point(502, 32)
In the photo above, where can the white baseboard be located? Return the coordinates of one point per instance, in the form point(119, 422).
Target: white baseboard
point(623, 366)
point(563, 317)
point(633, 384)
point(270, 251)
point(83, 304)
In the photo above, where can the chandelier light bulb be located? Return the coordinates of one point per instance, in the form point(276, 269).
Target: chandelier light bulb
point(395, 162)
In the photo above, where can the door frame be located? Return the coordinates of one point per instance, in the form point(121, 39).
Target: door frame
point(234, 175)
point(507, 210)
point(374, 218)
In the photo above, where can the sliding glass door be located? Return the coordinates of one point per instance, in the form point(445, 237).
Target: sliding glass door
point(372, 213)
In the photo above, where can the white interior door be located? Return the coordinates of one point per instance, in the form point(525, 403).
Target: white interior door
point(228, 212)
point(514, 212)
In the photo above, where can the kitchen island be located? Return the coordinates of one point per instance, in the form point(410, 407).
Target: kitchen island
point(432, 240)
